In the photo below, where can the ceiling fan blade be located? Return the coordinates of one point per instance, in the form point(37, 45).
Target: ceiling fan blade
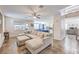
point(38, 17)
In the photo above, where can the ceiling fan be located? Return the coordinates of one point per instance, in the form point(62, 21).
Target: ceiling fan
point(35, 15)
point(35, 11)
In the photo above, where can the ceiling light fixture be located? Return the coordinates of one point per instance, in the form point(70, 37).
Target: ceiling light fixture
point(34, 17)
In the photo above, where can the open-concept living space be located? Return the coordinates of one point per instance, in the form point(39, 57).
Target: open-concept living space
point(39, 29)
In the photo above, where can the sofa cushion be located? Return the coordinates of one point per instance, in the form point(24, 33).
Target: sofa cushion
point(34, 43)
point(21, 34)
point(31, 36)
point(20, 38)
point(46, 34)
point(40, 34)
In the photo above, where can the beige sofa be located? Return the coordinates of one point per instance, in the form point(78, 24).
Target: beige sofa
point(37, 45)
point(35, 34)
point(39, 41)
point(21, 40)
point(34, 41)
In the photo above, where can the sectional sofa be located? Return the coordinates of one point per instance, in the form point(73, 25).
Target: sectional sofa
point(35, 41)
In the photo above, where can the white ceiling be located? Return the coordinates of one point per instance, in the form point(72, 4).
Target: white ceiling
point(23, 11)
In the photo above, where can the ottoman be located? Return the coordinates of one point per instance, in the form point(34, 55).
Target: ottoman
point(21, 40)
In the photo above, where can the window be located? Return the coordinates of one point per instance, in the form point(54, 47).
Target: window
point(36, 26)
point(40, 27)
point(21, 26)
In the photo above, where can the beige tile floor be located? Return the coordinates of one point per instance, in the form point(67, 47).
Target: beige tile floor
point(66, 46)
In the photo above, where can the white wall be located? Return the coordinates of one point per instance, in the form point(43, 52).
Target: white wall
point(1, 39)
point(59, 27)
point(9, 26)
point(0, 23)
point(73, 21)
point(1, 30)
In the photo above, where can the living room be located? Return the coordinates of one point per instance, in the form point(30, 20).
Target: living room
point(34, 29)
